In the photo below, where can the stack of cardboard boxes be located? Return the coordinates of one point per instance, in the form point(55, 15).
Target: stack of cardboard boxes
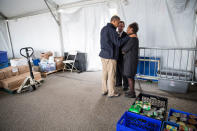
point(11, 77)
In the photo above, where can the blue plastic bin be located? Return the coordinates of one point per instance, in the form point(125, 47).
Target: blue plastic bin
point(135, 122)
point(4, 65)
point(169, 123)
point(147, 64)
point(3, 57)
point(36, 62)
point(177, 111)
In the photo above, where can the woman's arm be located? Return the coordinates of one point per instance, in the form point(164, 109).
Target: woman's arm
point(116, 39)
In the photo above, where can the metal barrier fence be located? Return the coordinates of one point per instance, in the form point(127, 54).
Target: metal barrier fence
point(176, 64)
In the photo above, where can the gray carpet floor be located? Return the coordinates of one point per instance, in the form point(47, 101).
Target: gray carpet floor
point(73, 102)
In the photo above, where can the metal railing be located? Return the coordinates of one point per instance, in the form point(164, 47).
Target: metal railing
point(176, 64)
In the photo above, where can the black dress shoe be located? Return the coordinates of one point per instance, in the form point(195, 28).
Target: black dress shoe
point(130, 94)
point(125, 89)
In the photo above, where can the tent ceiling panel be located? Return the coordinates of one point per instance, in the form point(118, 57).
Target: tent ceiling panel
point(62, 2)
point(13, 8)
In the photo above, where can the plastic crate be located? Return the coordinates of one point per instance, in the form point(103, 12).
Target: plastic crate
point(4, 65)
point(135, 122)
point(177, 111)
point(3, 57)
point(156, 101)
point(169, 123)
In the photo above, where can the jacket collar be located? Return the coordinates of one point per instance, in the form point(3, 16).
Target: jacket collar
point(111, 25)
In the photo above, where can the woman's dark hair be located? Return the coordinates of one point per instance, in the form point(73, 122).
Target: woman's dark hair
point(134, 26)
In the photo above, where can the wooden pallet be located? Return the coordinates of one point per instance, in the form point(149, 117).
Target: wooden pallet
point(13, 90)
point(45, 74)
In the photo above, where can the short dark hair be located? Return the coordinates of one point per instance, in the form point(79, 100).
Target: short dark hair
point(115, 17)
point(134, 26)
point(122, 22)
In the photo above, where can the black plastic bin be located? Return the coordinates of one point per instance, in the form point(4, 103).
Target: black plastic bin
point(156, 101)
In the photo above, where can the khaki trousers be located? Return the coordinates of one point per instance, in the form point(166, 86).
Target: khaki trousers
point(108, 75)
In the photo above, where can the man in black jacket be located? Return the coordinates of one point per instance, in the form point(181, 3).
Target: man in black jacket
point(119, 70)
point(110, 43)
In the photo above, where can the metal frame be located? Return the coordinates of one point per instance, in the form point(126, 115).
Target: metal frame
point(174, 73)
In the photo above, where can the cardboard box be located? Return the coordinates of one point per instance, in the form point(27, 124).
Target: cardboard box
point(23, 69)
point(49, 53)
point(7, 72)
point(58, 59)
point(59, 62)
point(1, 78)
point(59, 65)
point(18, 62)
point(46, 55)
point(36, 68)
point(12, 77)
point(2, 75)
point(15, 71)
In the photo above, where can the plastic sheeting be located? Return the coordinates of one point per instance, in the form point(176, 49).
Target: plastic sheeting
point(39, 32)
point(81, 30)
point(164, 24)
point(4, 39)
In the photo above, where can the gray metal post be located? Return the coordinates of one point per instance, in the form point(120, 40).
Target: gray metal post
point(180, 64)
point(10, 39)
point(59, 23)
point(173, 64)
point(61, 35)
point(186, 65)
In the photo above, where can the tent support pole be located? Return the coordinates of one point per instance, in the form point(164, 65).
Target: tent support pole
point(9, 35)
point(52, 12)
point(59, 24)
point(61, 35)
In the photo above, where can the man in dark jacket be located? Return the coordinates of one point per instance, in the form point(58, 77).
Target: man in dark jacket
point(110, 43)
point(119, 69)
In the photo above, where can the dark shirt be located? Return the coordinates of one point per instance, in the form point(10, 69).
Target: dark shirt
point(110, 42)
point(120, 57)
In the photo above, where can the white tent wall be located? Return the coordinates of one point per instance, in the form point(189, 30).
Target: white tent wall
point(4, 39)
point(163, 24)
point(81, 30)
point(39, 32)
